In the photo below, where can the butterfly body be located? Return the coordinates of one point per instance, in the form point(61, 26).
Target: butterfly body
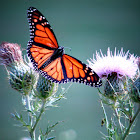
point(57, 53)
point(48, 57)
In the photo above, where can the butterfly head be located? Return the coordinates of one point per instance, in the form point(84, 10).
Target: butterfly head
point(61, 50)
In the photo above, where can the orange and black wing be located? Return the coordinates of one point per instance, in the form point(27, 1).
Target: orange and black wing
point(54, 71)
point(76, 71)
point(42, 42)
point(43, 52)
point(67, 68)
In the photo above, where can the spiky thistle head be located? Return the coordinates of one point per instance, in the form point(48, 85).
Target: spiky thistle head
point(20, 75)
point(22, 78)
point(10, 53)
point(121, 63)
point(115, 68)
point(45, 88)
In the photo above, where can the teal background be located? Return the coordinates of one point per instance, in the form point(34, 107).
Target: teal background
point(85, 26)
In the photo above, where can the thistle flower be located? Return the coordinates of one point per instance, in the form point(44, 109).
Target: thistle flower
point(119, 71)
point(121, 63)
point(10, 53)
point(21, 77)
point(115, 69)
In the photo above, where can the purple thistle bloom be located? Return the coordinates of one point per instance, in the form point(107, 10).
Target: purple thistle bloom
point(21, 77)
point(121, 63)
point(10, 53)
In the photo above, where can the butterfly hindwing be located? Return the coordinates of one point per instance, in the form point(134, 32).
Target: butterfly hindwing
point(54, 71)
point(67, 68)
point(77, 71)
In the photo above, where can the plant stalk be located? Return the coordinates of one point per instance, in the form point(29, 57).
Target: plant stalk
point(118, 118)
point(30, 118)
point(38, 118)
point(130, 124)
point(28, 106)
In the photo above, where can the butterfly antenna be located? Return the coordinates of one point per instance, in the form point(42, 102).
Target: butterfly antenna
point(68, 48)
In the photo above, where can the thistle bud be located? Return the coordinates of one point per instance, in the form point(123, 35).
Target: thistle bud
point(45, 88)
point(21, 78)
point(135, 91)
point(20, 75)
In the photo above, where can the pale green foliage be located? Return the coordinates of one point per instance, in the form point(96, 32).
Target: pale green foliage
point(124, 109)
point(37, 95)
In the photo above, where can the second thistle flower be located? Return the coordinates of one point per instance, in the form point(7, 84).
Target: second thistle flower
point(115, 68)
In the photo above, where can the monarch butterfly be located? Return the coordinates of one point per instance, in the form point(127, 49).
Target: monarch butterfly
point(48, 57)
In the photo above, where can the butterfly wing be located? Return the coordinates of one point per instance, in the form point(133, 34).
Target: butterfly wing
point(76, 71)
point(43, 46)
point(42, 42)
point(67, 68)
point(54, 71)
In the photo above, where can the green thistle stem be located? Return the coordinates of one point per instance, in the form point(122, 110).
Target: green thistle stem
point(118, 118)
point(104, 113)
point(107, 123)
point(28, 106)
point(38, 118)
point(129, 127)
point(30, 118)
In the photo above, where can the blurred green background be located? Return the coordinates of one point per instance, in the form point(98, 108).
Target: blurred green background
point(85, 26)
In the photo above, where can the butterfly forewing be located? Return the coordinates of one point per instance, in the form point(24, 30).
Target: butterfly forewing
point(42, 42)
point(40, 30)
